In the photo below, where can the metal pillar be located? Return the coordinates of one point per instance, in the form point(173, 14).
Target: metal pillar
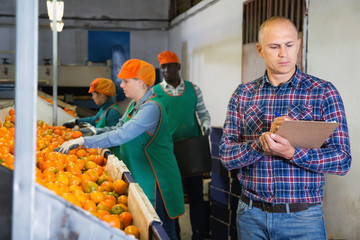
point(55, 63)
point(26, 75)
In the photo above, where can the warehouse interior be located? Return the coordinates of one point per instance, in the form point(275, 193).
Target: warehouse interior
point(216, 51)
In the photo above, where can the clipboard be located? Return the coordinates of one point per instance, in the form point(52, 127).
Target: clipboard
point(306, 134)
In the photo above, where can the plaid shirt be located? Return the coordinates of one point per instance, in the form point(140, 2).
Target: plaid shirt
point(271, 178)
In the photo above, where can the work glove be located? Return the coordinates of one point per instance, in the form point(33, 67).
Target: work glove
point(70, 145)
point(70, 124)
point(89, 131)
point(85, 125)
point(206, 128)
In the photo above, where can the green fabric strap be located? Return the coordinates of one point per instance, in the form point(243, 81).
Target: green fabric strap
point(180, 111)
point(102, 122)
point(152, 164)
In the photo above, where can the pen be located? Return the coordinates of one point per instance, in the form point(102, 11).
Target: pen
point(277, 114)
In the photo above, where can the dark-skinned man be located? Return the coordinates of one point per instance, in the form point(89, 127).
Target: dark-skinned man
point(183, 105)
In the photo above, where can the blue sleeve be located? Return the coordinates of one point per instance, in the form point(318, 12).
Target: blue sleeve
point(147, 119)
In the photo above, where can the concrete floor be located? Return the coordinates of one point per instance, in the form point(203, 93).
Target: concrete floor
point(185, 226)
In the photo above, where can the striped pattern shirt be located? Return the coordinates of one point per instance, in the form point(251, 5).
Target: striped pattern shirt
point(271, 178)
point(201, 110)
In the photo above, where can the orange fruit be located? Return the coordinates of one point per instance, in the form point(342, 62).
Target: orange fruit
point(73, 151)
point(113, 220)
point(125, 219)
point(122, 199)
point(123, 206)
point(89, 205)
point(132, 230)
point(120, 186)
point(80, 163)
point(106, 186)
point(82, 153)
point(12, 112)
point(90, 165)
point(74, 188)
point(74, 180)
point(117, 209)
point(71, 198)
point(74, 169)
point(102, 212)
point(62, 178)
point(98, 159)
point(93, 151)
point(97, 196)
point(94, 176)
point(108, 203)
point(100, 206)
point(76, 134)
point(80, 196)
point(90, 186)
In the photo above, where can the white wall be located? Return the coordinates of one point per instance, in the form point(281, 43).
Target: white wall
point(209, 46)
point(333, 54)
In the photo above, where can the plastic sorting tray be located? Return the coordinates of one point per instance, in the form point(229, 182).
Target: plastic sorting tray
point(56, 218)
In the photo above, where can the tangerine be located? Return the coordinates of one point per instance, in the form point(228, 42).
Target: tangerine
point(120, 186)
point(122, 199)
point(97, 196)
point(132, 230)
point(76, 134)
point(113, 220)
point(125, 219)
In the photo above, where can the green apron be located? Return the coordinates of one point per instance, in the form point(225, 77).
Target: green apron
point(101, 122)
point(181, 117)
point(152, 164)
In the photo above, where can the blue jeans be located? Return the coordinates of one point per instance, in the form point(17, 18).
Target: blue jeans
point(252, 223)
point(167, 222)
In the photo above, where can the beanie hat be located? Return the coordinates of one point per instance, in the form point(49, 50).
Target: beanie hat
point(168, 57)
point(104, 86)
point(140, 69)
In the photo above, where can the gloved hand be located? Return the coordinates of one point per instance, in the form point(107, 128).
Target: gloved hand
point(70, 124)
point(85, 125)
point(70, 145)
point(88, 131)
point(206, 128)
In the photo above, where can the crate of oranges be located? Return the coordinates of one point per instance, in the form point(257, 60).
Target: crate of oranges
point(76, 193)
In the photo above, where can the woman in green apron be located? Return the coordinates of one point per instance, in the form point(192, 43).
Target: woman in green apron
point(102, 90)
point(145, 144)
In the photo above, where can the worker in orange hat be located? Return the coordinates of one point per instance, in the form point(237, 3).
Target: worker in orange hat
point(183, 102)
point(145, 142)
point(101, 90)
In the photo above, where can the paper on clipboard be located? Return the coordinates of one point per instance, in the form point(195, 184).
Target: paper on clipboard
point(306, 134)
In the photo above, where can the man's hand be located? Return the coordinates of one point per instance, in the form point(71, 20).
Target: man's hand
point(69, 145)
point(89, 131)
point(276, 145)
point(278, 122)
point(206, 129)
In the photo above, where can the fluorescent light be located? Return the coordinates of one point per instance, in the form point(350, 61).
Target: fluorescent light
point(59, 26)
point(59, 10)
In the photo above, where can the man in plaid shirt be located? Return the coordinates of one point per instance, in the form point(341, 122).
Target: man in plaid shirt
point(282, 193)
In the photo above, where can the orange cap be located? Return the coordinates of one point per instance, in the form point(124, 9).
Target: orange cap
point(168, 57)
point(135, 68)
point(103, 85)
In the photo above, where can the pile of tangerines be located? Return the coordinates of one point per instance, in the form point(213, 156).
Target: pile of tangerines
point(79, 177)
point(66, 109)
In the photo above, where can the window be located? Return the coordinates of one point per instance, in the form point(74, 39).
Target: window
point(257, 11)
